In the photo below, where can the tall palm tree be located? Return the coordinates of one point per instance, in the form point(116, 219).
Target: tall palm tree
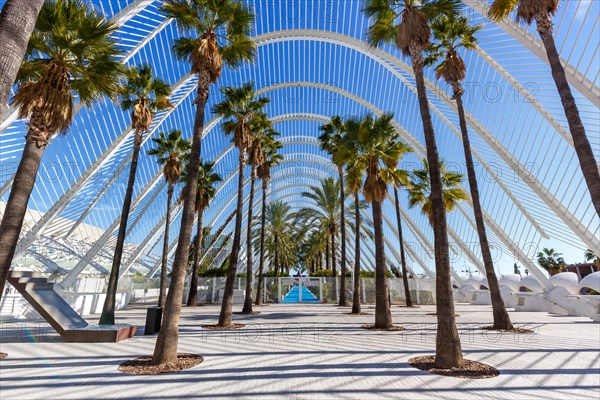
point(451, 34)
point(239, 108)
point(172, 152)
point(377, 151)
point(272, 158)
point(17, 20)
point(144, 95)
point(345, 154)
point(409, 302)
point(70, 55)
point(354, 182)
point(205, 192)
point(221, 34)
point(405, 23)
point(542, 11)
point(326, 214)
point(261, 129)
point(420, 191)
point(330, 140)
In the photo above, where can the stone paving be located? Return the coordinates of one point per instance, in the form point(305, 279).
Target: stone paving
point(310, 352)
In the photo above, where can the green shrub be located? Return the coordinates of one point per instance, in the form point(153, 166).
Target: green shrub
point(325, 273)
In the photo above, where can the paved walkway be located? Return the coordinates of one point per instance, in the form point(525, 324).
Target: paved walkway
point(311, 352)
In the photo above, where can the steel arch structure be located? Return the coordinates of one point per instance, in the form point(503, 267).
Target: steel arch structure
point(528, 163)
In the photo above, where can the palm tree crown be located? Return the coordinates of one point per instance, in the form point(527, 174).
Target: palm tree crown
point(451, 34)
point(217, 31)
point(419, 190)
point(239, 107)
point(70, 53)
point(405, 23)
point(171, 151)
point(144, 95)
point(376, 149)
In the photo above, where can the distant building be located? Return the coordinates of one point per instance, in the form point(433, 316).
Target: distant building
point(582, 270)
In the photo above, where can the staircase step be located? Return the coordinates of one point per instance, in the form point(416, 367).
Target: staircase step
point(60, 315)
point(29, 279)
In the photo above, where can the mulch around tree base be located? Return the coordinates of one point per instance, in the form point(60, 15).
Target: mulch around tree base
point(142, 366)
point(470, 369)
point(247, 313)
point(513, 330)
point(360, 313)
point(433, 313)
point(3, 355)
point(223, 328)
point(390, 329)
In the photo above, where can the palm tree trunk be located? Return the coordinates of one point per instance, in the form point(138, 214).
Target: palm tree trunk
point(165, 350)
point(247, 309)
point(261, 264)
point(16, 206)
point(192, 300)
point(227, 301)
point(343, 302)
point(333, 269)
point(409, 302)
point(165, 252)
point(383, 315)
point(327, 259)
point(108, 310)
point(356, 291)
point(448, 347)
point(501, 318)
point(587, 161)
point(276, 257)
point(17, 21)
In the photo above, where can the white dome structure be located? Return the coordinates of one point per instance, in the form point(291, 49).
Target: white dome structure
point(568, 280)
point(532, 284)
point(511, 281)
point(592, 281)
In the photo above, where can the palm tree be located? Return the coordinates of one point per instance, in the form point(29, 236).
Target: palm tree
point(17, 20)
point(452, 34)
point(326, 214)
point(312, 248)
point(377, 151)
point(239, 107)
point(263, 133)
point(70, 55)
point(222, 34)
point(272, 158)
point(372, 144)
point(280, 237)
point(205, 192)
point(354, 182)
point(405, 23)
point(551, 260)
point(143, 95)
point(591, 257)
point(420, 192)
point(172, 152)
point(330, 140)
point(345, 153)
point(403, 182)
point(542, 11)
